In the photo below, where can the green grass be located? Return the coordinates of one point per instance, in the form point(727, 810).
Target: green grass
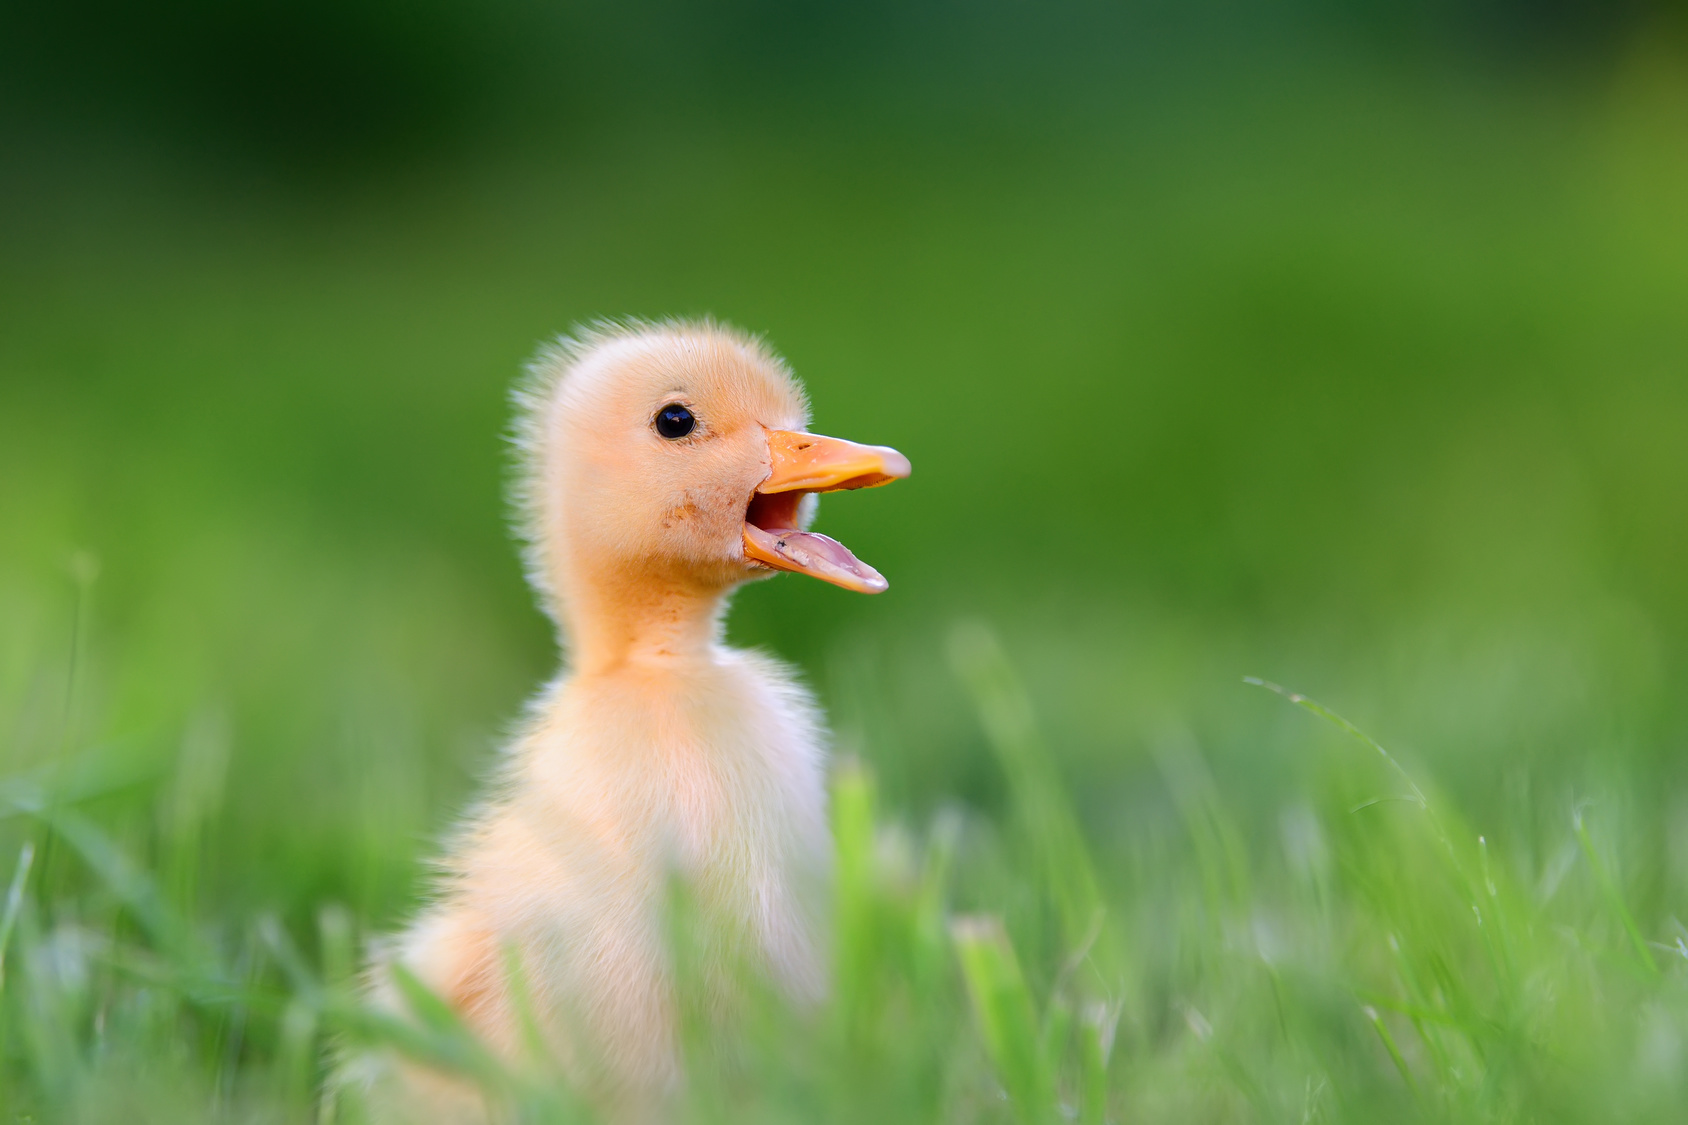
point(1379, 964)
point(1352, 376)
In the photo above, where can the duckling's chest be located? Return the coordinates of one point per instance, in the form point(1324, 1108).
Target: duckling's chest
point(714, 772)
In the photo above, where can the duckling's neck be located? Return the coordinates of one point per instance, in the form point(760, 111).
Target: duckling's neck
point(634, 618)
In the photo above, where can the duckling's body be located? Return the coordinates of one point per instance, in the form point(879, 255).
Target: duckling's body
point(660, 756)
point(701, 768)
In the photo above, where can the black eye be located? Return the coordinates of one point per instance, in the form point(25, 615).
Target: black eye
point(674, 421)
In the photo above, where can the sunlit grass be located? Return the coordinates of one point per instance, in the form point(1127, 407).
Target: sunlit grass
point(1380, 960)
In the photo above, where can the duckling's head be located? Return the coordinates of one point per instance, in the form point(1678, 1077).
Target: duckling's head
point(675, 455)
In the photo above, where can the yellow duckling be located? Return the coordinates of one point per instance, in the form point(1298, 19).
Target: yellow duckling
point(666, 464)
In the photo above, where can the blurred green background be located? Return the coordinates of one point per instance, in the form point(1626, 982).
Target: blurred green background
point(1340, 344)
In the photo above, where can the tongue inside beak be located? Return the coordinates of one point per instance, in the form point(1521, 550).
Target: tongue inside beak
point(809, 552)
point(804, 463)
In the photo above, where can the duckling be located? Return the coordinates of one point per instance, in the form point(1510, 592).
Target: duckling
point(665, 465)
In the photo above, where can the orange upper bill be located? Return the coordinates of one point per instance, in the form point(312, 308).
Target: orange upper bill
point(812, 463)
point(803, 463)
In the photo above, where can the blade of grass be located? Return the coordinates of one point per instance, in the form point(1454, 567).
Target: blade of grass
point(1389, 1045)
point(1471, 885)
point(1095, 1038)
point(1040, 800)
point(14, 902)
point(853, 820)
point(1002, 1005)
point(1614, 897)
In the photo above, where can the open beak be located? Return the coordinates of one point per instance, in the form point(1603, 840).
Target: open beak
point(805, 463)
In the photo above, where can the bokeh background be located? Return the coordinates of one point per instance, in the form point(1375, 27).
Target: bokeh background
point(1342, 344)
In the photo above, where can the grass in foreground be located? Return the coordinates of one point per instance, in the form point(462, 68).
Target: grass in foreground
point(1382, 961)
